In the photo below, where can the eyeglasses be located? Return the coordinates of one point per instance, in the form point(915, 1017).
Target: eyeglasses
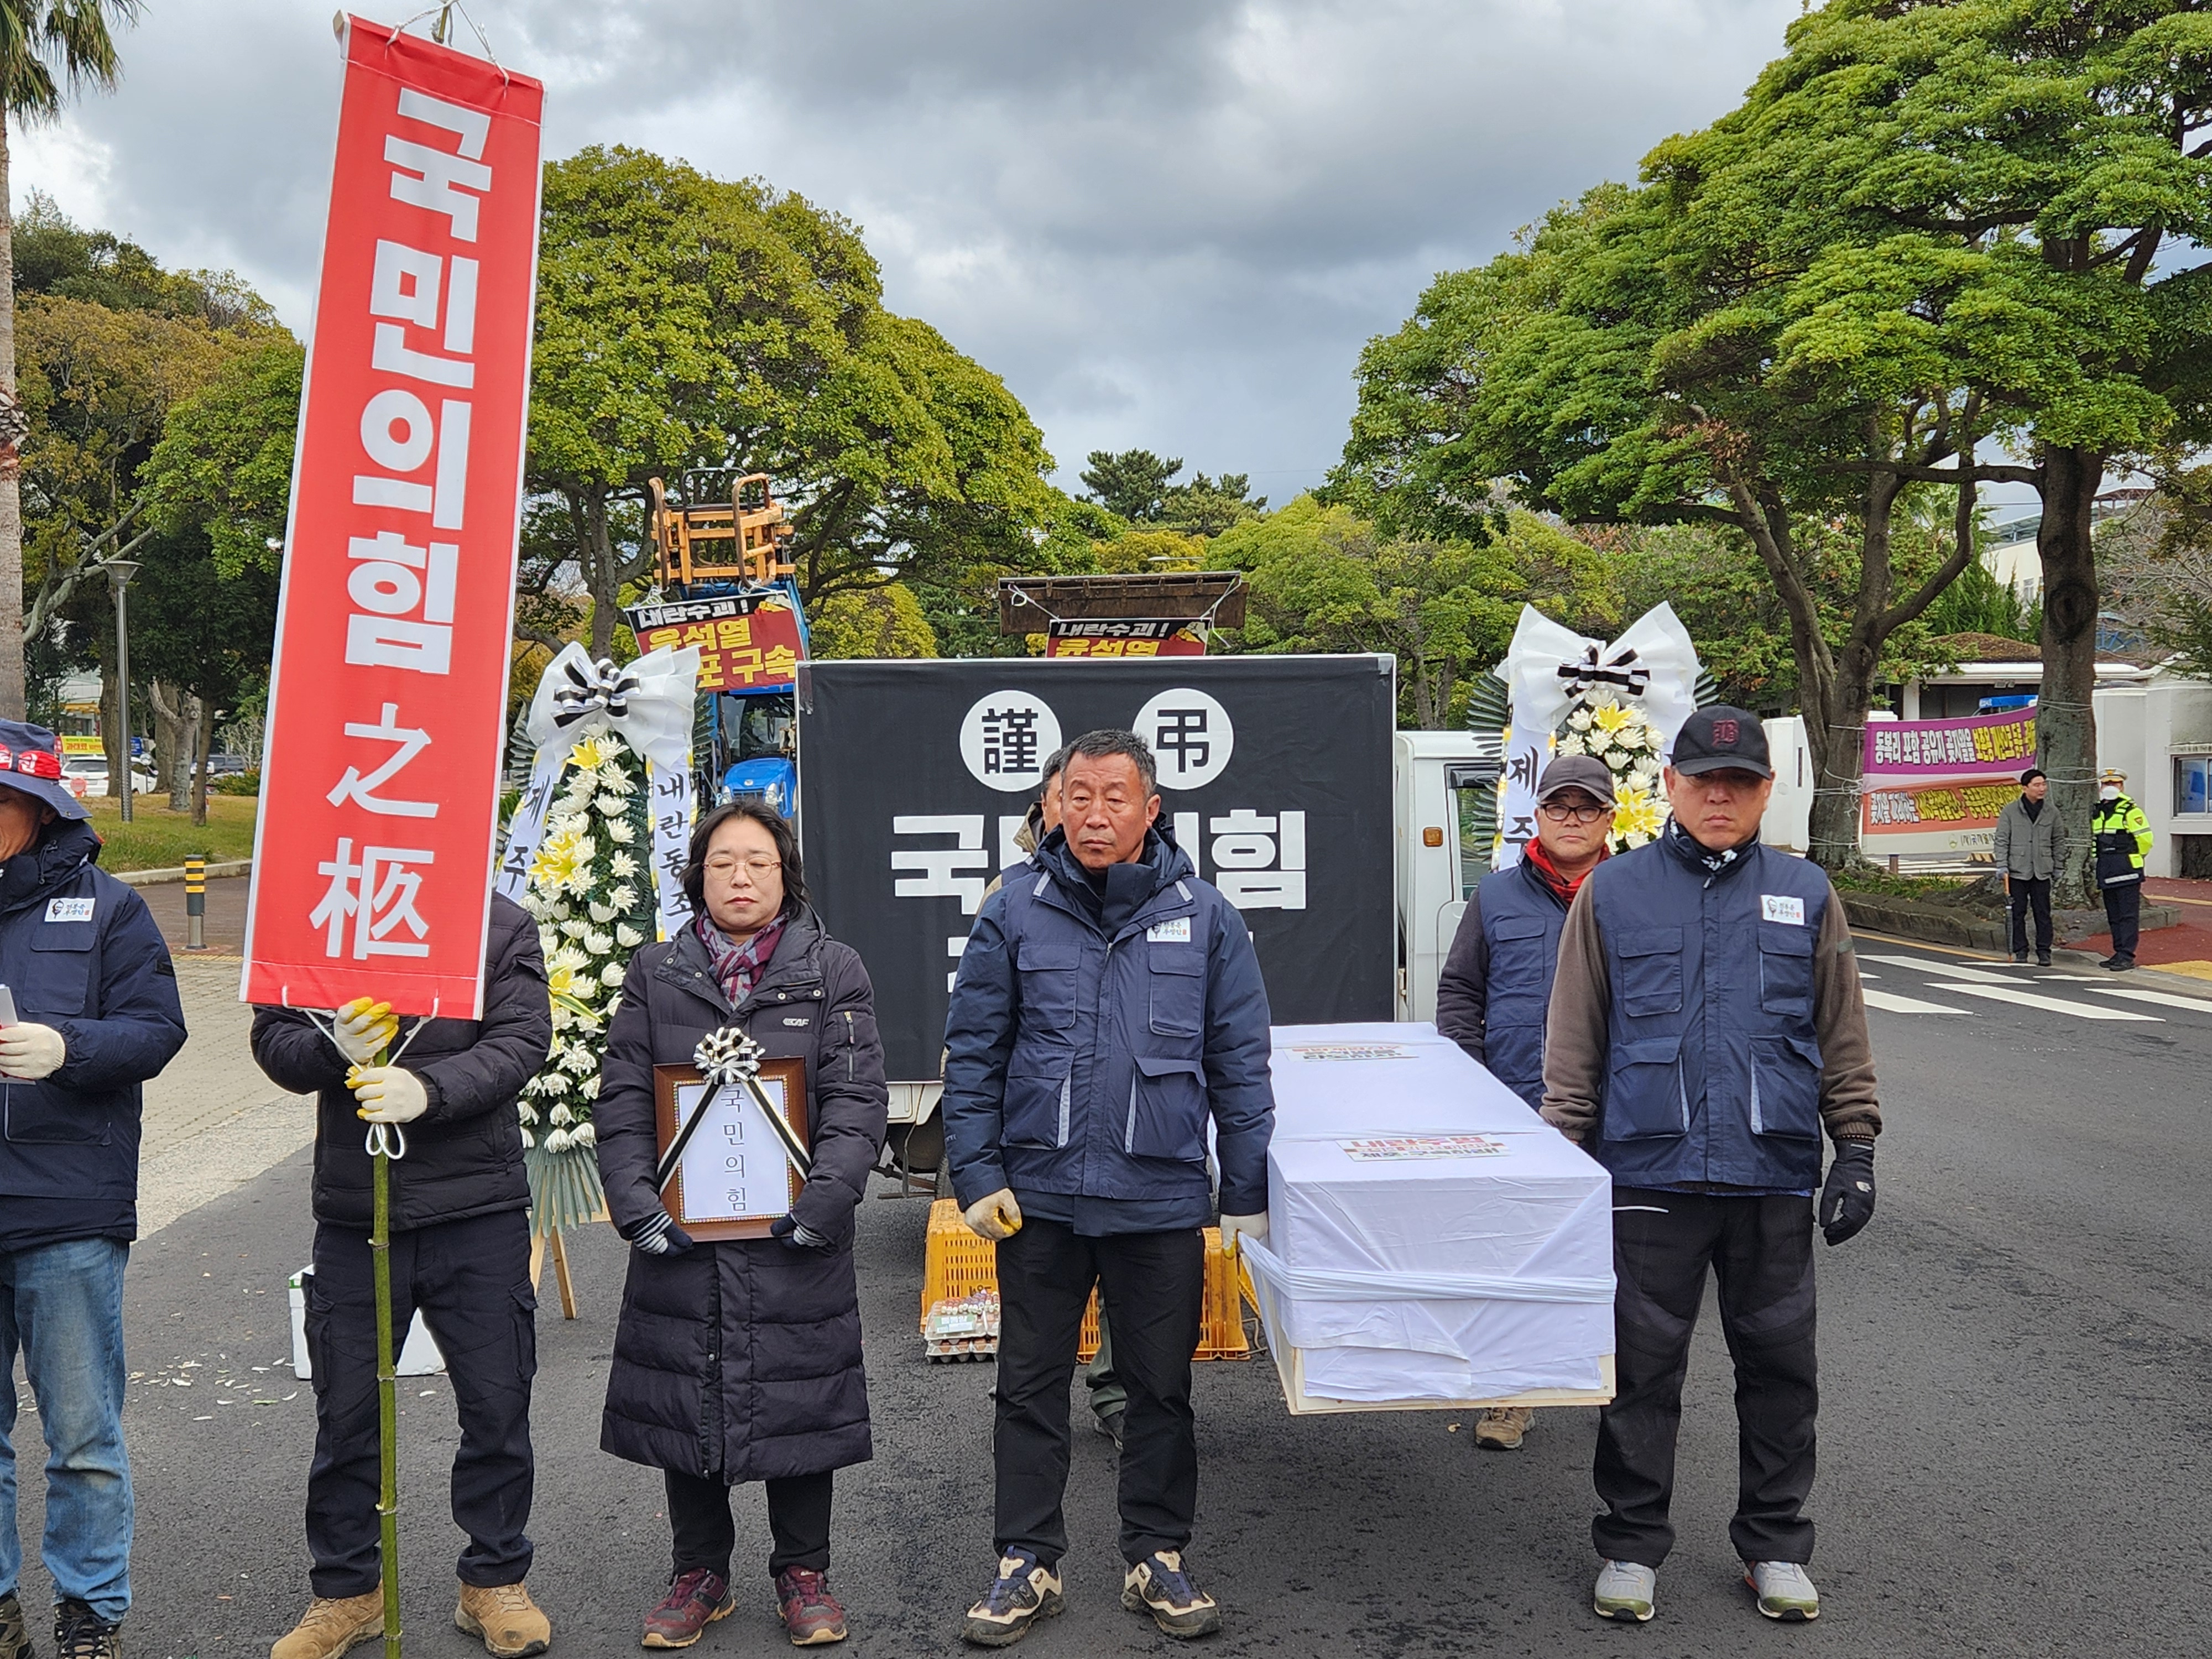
point(1559, 812)
point(724, 868)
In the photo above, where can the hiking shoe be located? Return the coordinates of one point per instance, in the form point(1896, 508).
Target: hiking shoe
point(330, 1626)
point(1158, 1585)
point(81, 1633)
point(1110, 1424)
point(1502, 1428)
point(1624, 1592)
point(811, 1614)
point(2043, 962)
point(1783, 1590)
point(695, 1600)
point(15, 1634)
point(507, 1619)
point(1024, 1591)
point(2019, 956)
point(2122, 964)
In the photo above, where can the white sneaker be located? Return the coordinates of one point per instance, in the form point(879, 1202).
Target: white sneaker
point(1624, 1589)
point(1784, 1591)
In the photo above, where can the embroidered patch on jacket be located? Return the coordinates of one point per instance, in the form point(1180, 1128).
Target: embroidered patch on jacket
point(69, 910)
point(1780, 907)
point(1170, 932)
point(789, 1021)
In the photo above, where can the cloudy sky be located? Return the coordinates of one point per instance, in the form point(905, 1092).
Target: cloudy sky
point(1170, 223)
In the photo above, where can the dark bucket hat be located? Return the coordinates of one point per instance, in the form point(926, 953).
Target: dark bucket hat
point(31, 764)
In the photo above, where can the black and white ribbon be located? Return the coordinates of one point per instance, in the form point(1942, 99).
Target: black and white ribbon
point(1618, 667)
point(590, 688)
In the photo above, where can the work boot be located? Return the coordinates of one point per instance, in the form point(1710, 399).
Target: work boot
point(2044, 961)
point(1024, 1591)
point(1158, 1585)
point(1502, 1428)
point(695, 1600)
point(1624, 1592)
point(811, 1614)
point(81, 1633)
point(15, 1634)
point(2121, 964)
point(1784, 1591)
point(330, 1626)
point(505, 1618)
point(2019, 956)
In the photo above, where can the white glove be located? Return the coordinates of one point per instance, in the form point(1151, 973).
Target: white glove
point(996, 1217)
point(387, 1094)
point(363, 1028)
point(1234, 1227)
point(31, 1052)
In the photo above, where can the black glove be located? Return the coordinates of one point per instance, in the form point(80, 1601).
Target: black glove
point(797, 1234)
point(657, 1235)
point(1847, 1201)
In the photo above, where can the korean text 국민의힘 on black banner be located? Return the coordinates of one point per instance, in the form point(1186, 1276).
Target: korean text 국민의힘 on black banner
point(1274, 776)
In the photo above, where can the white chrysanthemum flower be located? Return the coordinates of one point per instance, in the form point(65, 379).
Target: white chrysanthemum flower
point(553, 1083)
point(612, 807)
point(558, 909)
point(612, 975)
point(559, 1141)
point(529, 1113)
point(621, 866)
point(528, 1139)
point(549, 940)
point(566, 957)
point(1579, 720)
point(1570, 746)
point(627, 937)
point(619, 832)
point(561, 1117)
point(612, 747)
point(598, 943)
point(615, 782)
point(584, 1135)
point(580, 1060)
point(602, 913)
point(623, 897)
point(589, 1087)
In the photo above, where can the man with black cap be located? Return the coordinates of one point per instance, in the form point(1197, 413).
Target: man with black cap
point(2030, 849)
point(1705, 1027)
point(1497, 981)
point(94, 1014)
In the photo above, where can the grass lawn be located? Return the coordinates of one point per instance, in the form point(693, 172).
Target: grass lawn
point(158, 838)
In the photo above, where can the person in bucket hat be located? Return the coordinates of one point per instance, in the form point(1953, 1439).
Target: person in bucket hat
point(94, 1015)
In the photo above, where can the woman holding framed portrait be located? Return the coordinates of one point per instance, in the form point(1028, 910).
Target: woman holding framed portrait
point(737, 1353)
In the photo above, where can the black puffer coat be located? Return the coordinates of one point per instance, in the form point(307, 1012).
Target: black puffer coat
point(465, 1153)
point(742, 1357)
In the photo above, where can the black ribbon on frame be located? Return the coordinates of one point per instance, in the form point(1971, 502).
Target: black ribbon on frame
point(1620, 670)
point(600, 686)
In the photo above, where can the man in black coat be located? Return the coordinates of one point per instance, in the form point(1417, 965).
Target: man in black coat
point(460, 1252)
point(95, 1016)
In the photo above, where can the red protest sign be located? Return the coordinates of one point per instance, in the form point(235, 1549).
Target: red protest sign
point(747, 641)
point(1125, 637)
point(379, 788)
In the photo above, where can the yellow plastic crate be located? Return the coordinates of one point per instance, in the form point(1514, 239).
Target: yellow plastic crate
point(957, 1262)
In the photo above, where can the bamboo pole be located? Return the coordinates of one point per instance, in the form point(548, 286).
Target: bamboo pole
point(387, 1397)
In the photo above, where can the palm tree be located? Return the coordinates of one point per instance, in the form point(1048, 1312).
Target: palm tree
point(48, 48)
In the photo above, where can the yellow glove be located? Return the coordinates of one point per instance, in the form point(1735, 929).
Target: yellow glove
point(996, 1217)
point(387, 1094)
point(364, 1027)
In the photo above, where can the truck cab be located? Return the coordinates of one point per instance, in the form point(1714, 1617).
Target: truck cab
point(1443, 788)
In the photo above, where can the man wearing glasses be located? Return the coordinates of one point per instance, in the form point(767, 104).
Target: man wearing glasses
point(1705, 1027)
point(1497, 981)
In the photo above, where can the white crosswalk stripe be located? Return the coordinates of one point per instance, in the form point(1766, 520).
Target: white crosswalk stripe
point(1893, 1003)
point(1959, 979)
point(2163, 1000)
point(2049, 1005)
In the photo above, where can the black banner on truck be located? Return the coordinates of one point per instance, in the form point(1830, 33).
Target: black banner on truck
point(1274, 777)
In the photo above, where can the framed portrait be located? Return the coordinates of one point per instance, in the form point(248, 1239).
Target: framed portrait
point(734, 1177)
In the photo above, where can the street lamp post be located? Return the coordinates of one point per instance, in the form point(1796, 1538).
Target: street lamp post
point(119, 573)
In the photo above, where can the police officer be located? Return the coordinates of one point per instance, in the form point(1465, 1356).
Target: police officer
point(1705, 1027)
point(2121, 836)
point(1497, 979)
point(460, 1252)
point(96, 1016)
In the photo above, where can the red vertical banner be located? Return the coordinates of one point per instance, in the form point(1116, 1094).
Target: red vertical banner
point(380, 790)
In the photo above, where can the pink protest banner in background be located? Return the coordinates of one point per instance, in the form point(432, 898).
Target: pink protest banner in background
point(1937, 786)
point(379, 791)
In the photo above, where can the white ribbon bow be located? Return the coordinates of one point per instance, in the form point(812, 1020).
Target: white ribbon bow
point(647, 703)
point(1652, 666)
point(725, 1056)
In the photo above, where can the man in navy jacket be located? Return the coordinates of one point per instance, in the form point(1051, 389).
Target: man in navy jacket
point(96, 1015)
point(1109, 1004)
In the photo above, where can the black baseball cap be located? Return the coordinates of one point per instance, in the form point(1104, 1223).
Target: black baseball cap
point(1720, 738)
point(1583, 772)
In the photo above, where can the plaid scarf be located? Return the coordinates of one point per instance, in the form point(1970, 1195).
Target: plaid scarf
point(737, 967)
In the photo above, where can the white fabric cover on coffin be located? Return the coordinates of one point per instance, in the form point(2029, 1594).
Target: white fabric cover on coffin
point(1509, 1256)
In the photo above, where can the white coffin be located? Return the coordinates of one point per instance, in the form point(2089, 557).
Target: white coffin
point(1433, 1242)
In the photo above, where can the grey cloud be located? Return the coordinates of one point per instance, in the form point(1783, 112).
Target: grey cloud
point(1165, 222)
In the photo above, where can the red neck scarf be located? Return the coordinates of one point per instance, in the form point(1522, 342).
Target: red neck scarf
point(1550, 875)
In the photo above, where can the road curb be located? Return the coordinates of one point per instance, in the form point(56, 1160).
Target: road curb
point(2179, 984)
point(156, 878)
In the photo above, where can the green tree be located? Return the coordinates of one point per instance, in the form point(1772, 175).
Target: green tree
point(870, 622)
point(48, 48)
point(685, 322)
point(1138, 487)
point(224, 462)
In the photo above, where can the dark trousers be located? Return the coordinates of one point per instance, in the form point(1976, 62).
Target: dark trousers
point(2124, 911)
point(471, 1280)
point(2027, 892)
point(1153, 1286)
point(1761, 1250)
point(706, 1532)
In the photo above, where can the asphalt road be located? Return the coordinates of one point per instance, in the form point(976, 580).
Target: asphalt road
point(2013, 1357)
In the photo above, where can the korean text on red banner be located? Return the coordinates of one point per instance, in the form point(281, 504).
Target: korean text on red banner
point(1124, 637)
point(747, 641)
point(372, 862)
point(1944, 778)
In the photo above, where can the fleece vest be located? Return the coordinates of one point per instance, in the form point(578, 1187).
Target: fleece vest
point(1713, 1070)
point(1521, 924)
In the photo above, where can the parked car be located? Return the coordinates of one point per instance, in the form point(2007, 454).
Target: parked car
point(92, 769)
